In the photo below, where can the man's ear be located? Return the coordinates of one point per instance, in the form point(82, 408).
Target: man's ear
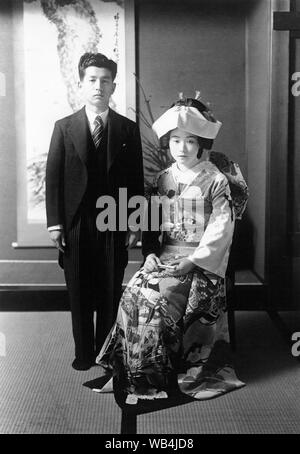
point(114, 87)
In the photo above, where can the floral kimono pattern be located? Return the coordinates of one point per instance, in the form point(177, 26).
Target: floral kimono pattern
point(177, 325)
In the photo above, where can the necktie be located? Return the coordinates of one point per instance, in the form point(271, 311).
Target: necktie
point(98, 131)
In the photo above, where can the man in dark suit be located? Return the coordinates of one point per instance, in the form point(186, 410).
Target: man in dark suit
point(93, 152)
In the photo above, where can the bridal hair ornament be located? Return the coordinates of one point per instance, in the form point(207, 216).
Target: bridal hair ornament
point(197, 95)
point(188, 118)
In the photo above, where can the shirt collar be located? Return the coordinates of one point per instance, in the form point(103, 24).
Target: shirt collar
point(92, 115)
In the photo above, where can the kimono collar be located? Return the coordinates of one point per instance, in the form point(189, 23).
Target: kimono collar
point(188, 175)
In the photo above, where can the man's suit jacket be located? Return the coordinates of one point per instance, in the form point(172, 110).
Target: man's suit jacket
point(66, 171)
point(66, 185)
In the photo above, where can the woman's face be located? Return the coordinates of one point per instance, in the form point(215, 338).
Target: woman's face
point(184, 148)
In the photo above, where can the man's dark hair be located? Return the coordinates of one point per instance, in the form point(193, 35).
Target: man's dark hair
point(99, 60)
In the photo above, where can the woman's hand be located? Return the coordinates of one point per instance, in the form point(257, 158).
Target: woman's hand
point(181, 266)
point(151, 263)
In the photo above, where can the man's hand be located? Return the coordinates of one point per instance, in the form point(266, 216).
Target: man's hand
point(58, 238)
point(181, 266)
point(132, 238)
point(151, 263)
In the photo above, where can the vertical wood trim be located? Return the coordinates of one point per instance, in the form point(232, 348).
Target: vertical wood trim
point(278, 268)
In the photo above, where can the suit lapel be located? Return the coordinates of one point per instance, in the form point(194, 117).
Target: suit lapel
point(79, 131)
point(115, 137)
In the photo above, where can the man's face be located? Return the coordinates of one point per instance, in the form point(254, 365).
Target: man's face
point(97, 87)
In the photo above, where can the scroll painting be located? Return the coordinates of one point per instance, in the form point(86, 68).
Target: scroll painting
point(53, 34)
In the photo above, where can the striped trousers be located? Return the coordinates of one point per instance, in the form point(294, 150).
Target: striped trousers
point(85, 266)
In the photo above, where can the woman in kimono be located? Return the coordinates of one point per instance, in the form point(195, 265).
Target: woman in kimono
point(171, 329)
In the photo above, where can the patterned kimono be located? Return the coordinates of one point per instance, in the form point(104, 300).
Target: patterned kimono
point(172, 331)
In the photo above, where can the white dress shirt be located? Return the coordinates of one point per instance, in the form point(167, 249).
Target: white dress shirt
point(91, 118)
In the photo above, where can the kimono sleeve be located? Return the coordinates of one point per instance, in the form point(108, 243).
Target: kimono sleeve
point(213, 250)
point(238, 186)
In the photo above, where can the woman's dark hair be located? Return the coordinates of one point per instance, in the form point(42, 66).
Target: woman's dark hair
point(205, 144)
point(99, 60)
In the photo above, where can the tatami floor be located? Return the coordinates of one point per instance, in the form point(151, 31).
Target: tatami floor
point(41, 394)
